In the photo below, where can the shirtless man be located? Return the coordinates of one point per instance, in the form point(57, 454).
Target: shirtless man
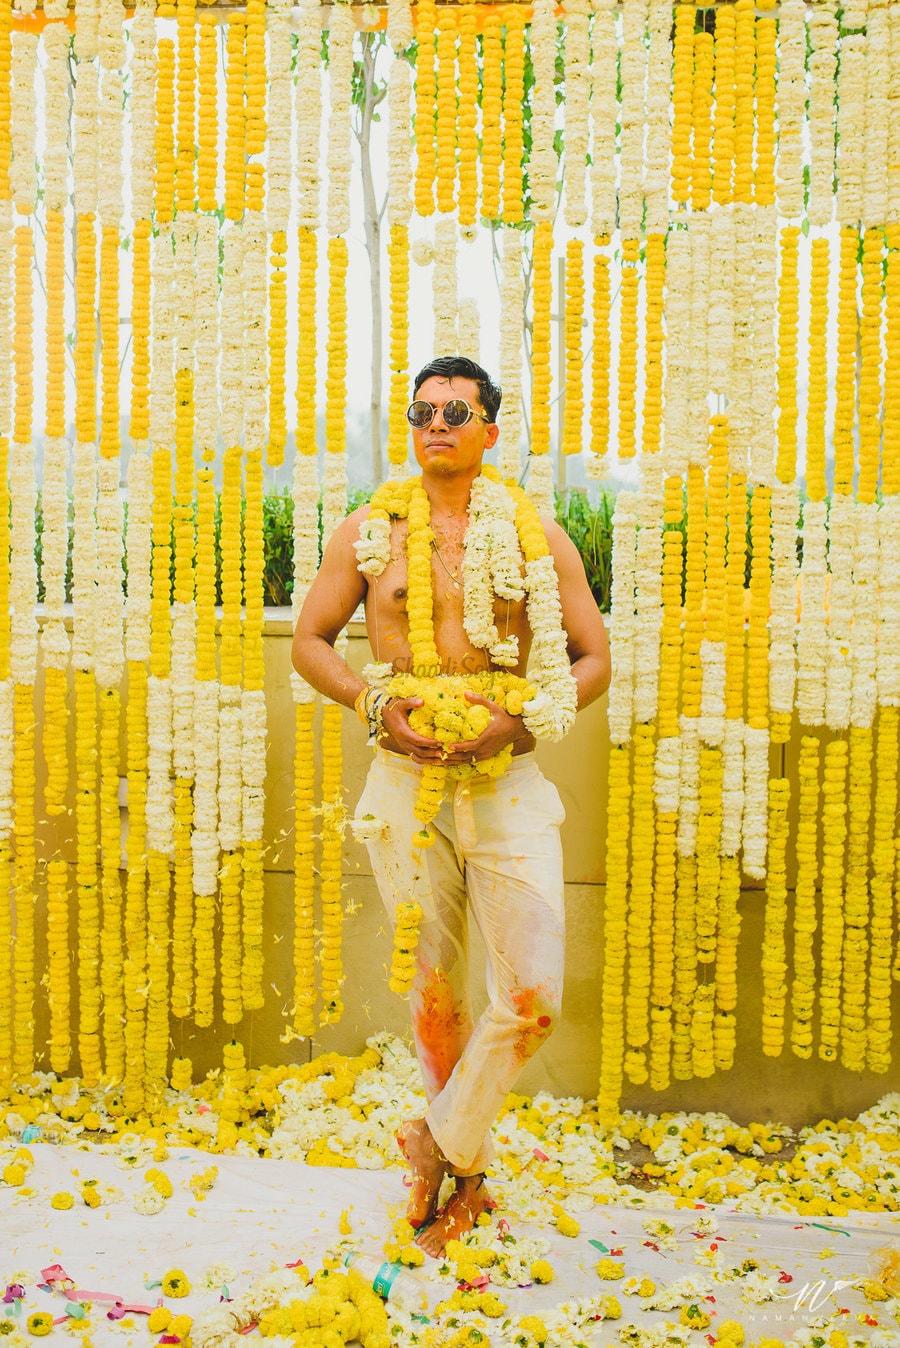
point(497, 848)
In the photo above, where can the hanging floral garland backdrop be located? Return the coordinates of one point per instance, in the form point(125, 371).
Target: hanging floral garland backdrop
point(716, 165)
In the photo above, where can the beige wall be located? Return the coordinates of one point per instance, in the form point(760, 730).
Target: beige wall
point(785, 1088)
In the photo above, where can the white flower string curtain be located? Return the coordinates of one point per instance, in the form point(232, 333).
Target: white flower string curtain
point(709, 176)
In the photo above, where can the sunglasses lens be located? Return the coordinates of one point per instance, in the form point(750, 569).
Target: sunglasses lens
point(419, 414)
point(456, 412)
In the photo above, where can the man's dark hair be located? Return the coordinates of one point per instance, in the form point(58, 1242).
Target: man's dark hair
point(460, 367)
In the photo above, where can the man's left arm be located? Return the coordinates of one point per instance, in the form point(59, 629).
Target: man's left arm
point(586, 639)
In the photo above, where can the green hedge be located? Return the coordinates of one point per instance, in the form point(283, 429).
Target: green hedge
point(589, 527)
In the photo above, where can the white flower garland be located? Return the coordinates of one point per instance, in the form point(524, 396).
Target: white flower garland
point(183, 665)
point(87, 29)
point(85, 149)
point(23, 638)
point(791, 106)
point(667, 774)
point(206, 323)
point(542, 163)
point(278, 115)
point(865, 615)
point(783, 620)
point(742, 349)
point(308, 113)
point(400, 136)
point(711, 724)
point(812, 633)
point(204, 836)
point(688, 787)
point(676, 438)
point(444, 281)
point(551, 713)
point(633, 60)
point(23, 125)
point(620, 705)
point(648, 592)
point(56, 115)
point(851, 118)
point(512, 312)
point(577, 61)
point(231, 376)
point(732, 786)
point(305, 493)
point(469, 327)
point(109, 655)
point(888, 650)
point(340, 72)
point(6, 319)
point(54, 549)
point(334, 495)
point(754, 825)
point(140, 518)
point(839, 672)
point(659, 82)
point(763, 399)
point(540, 483)
point(109, 134)
point(604, 115)
point(492, 566)
point(143, 118)
point(698, 341)
point(720, 332)
point(84, 554)
point(823, 36)
point(875, 152)
point(110, 35)
point(255, 358)
point(160, 818)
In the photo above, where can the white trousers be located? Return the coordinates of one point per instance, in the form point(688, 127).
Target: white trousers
point(497, 850)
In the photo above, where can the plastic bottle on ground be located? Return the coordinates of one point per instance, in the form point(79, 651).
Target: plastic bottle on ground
point(395, 1283)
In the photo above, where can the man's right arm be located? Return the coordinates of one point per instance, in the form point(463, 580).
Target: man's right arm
point(334, 596)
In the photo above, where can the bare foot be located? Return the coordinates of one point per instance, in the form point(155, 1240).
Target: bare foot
point(429, 1166)
point(458, 1215)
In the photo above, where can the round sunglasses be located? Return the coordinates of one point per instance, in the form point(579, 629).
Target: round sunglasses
point(456, 412)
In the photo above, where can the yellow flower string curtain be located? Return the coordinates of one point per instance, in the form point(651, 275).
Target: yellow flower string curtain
point(692, 217)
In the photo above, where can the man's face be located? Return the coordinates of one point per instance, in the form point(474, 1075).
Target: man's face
point(448, 450)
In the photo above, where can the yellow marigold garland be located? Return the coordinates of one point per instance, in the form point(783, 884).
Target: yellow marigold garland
point(803, 987)
point(723, 129)
point(336, 375)
point(701, 116)
point(692, 677)
point(426, 98)
point(628, 334)
point(183, 594)
point(685, 984)
point(6, 1001)
point(855, 946)
point(468, 115)
point(304, 879)
point(574, 411)
point(871, 323)
point(745, 60)
point(817, 389)
point(774, 957)
point(513, 99)
point(445, 105)
point(766, 28)
point(542, 291)
point(110, 853)
point(55, 714)
point(878, 1009)
point(729, 931)
point(491, 113)
point(58, 963)
point(890, 449)
point(135, 990)
point(845, 379)
point(637, 1029)
point(252, 846)
point(331, 964)
point(615, 940)
point(306, 342)
point(207, 111)
point(600, 362)
point(406, 938)
point(398, 427)
point(654, 285)
point(834, 834)
point(23, 832)
point(140, 331)
point(682, 80)
point(671, 627)
point(662, 933)
point(203, 942)
point(87, 879)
